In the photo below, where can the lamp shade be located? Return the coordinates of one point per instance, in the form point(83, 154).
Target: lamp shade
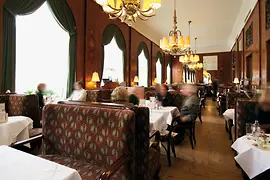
point(181, 41)
point(95, 77)
point(136, 79)
point(172, 40)
point(102, 2)
point(155, 4)
point(236, 81)
point(165, 42)
point(155, 81)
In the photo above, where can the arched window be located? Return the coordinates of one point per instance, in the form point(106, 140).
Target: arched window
point(42, 52)
point(143, 61)
point(159, 68)
point(184, 74)
point(113, 68)
point(159, 71)
point(169, 74)
point(113, 55)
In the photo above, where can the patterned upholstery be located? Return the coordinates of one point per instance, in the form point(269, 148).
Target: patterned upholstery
point(245, 114)
point(92, 95)
point(102, 95)
point(23, 105)
point(86, 170)
point(97, 136)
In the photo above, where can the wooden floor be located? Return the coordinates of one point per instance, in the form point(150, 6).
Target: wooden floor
point(212, 158)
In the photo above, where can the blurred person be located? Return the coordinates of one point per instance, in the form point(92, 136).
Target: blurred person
point(157, 88)
point(164, 96)
point(41, 88)
point(190, 108)
point(119, 94)
point(78, 94)
point(215, 89)
point(171, 89)
point(263, 109)
point(133, 97)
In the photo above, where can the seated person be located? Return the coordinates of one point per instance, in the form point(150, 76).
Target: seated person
point(190, 108)
point(132, 97)
point(79, 94)
point(41, 88)
point(164, 96)
point(119, 94)
point(263, 109)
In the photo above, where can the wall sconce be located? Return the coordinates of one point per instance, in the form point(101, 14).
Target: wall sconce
point(136, 80)
point(95, 78)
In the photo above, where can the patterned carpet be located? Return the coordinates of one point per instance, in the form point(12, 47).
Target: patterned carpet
point(212, 158)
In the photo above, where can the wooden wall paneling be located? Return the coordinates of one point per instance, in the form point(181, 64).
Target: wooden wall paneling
point(97, 21)
point(224, 72)
point(177, 70)
point(136, 38)
point(265, 36)
point(235, 61)
point(78, 8)
point(240, 48)
point(254, 48)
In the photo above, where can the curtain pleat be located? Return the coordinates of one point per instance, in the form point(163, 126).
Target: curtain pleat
point(66, 20)
point(109, 32)
point(11, 9)
point(159, 56)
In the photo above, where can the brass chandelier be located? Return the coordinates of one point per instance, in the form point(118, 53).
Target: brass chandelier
point(193, 60)
point(176, 45)
point(129, 10)
point(190, 57)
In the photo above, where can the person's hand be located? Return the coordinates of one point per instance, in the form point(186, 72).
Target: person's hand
point(185, 118)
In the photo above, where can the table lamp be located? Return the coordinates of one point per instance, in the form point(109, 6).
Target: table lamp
point(136, 80)
point(236, 81)
point(95, 78)
point(155, 81)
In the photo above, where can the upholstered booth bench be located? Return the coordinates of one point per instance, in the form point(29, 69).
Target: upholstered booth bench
point(23, 105)
point(147, 158)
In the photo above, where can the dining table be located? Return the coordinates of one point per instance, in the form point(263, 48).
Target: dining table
point(15, 129)
point(161, 117)
point(253, 159)
point(229, 114)
point(18, 165)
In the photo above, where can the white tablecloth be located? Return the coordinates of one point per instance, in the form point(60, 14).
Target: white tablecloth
point(229, 114)
point(157, 122)
point(16, 129)
point(17, 165)
point(168, 112)
point(253, 160)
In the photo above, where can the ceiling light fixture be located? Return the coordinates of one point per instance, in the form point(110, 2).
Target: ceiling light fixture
point(176, 45)
point(129, 10)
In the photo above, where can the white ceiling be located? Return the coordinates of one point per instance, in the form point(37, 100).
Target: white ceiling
point(216, 23)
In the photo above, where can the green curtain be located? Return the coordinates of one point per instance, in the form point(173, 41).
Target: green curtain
point(109, 32)
point(11, 9)
point(159, 56)
point(66, 20)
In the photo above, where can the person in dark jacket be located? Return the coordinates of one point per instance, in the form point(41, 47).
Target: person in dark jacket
point(164, 96)
point(41, 88)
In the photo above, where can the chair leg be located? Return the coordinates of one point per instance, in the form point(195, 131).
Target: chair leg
point(200, 117)
point(169, 150)
point(193, 134)
point(168, 154)
point(173, 148)
point(190, 138)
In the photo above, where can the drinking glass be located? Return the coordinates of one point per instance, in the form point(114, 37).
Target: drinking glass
point(249, 130)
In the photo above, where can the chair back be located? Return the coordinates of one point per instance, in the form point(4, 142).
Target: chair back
point(22, 105)
point(141, 133)
point(94, 135)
